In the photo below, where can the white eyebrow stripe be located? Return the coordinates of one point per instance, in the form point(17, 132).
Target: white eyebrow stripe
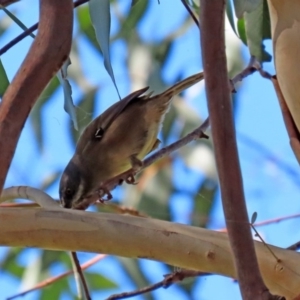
point(78, 194)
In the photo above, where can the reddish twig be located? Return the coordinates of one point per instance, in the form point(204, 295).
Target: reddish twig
point(223, 133)
point(49, 50)
point(165, 283)
point(50, 281)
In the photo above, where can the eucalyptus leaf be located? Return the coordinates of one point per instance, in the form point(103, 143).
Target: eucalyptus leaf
point(242, 6)
point(100, 17)
point(55, 290)
point(253, 217)
point(4, 82)
point(129, 24)
point(99, 282)
point(36, 112)
point(242, 31)
point(257, 25)
point(68, 101)
point(229, 14)
point(86, 26)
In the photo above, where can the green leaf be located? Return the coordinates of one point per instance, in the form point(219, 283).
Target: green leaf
point(85, 112)
point(100, 16)
point(36, 112)
point(133, 2)
point(242, 6)
point(4, 82)
point(242, 31)
point(253, 218)
point(9, 262)
point(86, 26)
point(49, 258)
point(257, 29)
point(99, 282)
point(230, 15)
point(129, 24)
point(68, 101)
point(55, 290)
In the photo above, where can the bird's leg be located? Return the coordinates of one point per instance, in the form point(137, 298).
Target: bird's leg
point(136, 165)
point(127, 176)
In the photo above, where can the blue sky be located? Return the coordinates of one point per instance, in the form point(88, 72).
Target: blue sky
point(270, 189)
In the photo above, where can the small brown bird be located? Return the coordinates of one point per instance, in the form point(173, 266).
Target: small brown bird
point(116, 141)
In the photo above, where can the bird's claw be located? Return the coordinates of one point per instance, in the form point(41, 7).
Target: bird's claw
point(130, 179)
point(102, 192)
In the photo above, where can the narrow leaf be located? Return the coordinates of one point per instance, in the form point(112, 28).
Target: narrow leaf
point(230, 15)
point(4, 82)
point(100, 16)
point(257, 25)
point(68, 101)
point(253, 218)
point(133, 2)
point(242, 6)
point(16, 20)
point(99, 282)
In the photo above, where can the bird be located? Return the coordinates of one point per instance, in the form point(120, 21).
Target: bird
point(116, 141)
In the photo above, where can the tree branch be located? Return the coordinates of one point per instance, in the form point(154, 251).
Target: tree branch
point(49, 50)
point(224, 140)
point(175, 244)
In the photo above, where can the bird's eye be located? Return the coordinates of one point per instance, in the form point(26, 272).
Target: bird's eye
point(68, 192)
point(99, 133)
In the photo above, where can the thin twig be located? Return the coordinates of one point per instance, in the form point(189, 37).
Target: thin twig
point(294, 247)
point(265, 244)
point(51, 280)
point(29, 31)
point(165, 283)
point(81, 276)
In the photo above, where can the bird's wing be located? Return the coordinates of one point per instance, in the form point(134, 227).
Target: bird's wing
point(98, 126)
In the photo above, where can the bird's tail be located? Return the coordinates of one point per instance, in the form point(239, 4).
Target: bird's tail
point(182, 85)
